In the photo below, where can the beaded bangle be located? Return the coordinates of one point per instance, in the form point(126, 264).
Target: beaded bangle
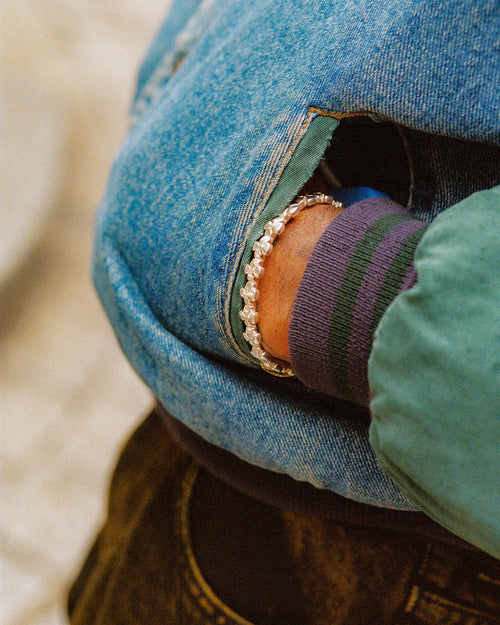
point(254, 270)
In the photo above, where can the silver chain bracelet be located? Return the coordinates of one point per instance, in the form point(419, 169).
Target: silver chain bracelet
point(254, 270)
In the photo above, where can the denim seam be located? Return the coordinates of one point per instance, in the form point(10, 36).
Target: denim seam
point(411, 167)
point(270, 187)
point(227, 329)
point(431, 598)
point(169, 63)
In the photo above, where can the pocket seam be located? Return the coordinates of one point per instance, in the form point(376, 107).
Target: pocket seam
point(204, 594)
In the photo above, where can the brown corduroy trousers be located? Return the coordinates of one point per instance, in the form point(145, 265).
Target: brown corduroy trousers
point(180, 547)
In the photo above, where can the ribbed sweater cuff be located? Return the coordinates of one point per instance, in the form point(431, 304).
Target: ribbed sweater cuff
point(362, 261)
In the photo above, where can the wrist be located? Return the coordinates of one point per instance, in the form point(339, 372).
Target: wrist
point(283, 272)
point(283, 276)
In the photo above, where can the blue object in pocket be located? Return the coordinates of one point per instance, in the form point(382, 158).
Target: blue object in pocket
point(351, 195)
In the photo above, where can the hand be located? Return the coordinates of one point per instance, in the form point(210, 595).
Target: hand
point(283, 271)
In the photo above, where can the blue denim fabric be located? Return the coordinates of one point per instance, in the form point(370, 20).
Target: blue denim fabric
point(207, 149)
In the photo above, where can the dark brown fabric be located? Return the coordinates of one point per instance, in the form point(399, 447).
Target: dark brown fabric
point(283, 491)
point(181, 547)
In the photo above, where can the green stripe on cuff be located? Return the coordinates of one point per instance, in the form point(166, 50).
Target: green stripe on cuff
point(341, 322)
point(395, 276)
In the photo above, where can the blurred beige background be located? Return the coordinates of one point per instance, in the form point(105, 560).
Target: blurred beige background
point(67, 396)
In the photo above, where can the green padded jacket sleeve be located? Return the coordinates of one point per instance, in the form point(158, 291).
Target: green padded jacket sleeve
point(434, 374)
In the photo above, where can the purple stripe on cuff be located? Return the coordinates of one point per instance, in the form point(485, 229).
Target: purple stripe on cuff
point(312, 312)
point(410, 279)
point(361, 338)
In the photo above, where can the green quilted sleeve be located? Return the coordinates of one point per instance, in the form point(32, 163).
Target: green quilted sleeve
point(434, 372)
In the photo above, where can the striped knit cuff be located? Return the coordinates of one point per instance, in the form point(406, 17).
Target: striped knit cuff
point(362, 261)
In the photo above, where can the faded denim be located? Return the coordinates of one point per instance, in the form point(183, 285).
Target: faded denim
point(208, 147)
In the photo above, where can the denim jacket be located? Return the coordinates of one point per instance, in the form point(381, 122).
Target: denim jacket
point(236, 105)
